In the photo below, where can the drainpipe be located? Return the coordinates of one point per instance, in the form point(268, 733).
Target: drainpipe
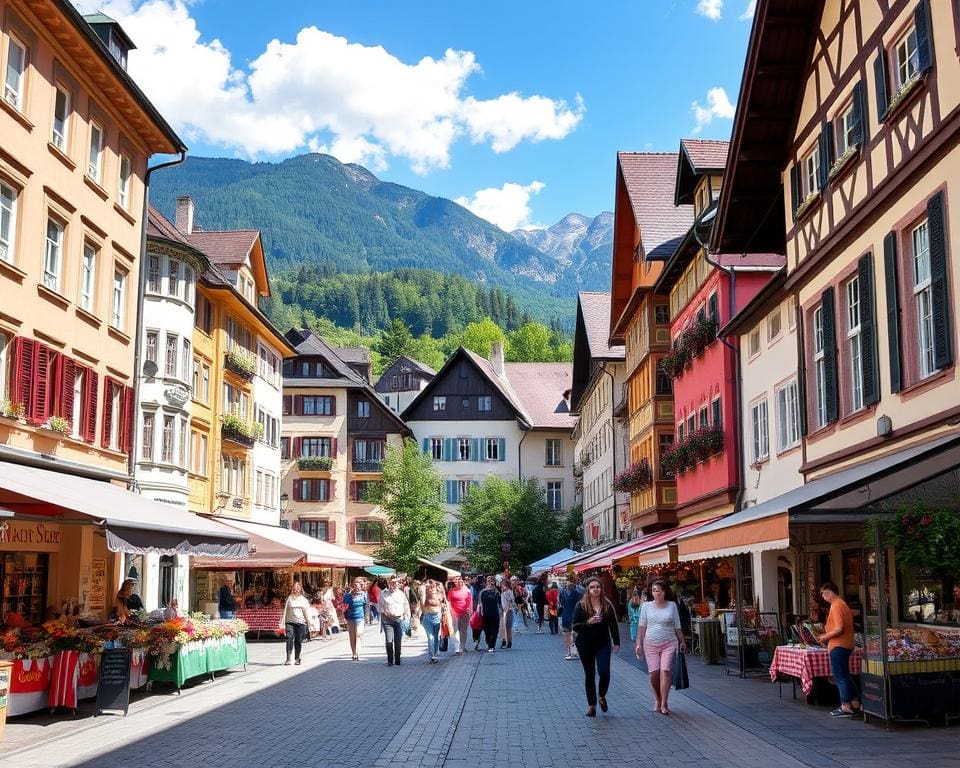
point(520, 454)
point(141, 291)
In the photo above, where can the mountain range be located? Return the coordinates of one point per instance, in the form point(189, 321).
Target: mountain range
point(313, 209)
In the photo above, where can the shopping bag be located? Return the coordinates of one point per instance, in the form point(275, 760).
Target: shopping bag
point(680, 678)
point(444, 644)
point(476, 620)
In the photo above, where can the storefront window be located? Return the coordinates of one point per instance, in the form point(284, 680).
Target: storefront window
point(928, 596)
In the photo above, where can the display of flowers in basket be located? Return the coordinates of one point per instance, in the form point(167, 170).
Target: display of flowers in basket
point(17, 644)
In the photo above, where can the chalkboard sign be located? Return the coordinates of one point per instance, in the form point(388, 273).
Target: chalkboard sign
point(113, 689)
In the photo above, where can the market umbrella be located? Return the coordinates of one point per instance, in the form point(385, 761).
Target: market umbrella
point(379, 570)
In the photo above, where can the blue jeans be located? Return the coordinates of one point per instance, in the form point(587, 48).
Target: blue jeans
point(840, 667)
point(228, 614)
point(431, 624)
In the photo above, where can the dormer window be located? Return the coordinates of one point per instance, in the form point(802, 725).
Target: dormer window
point(112, 36)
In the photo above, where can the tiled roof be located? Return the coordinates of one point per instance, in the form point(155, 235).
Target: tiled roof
point(540, 388)
point(595, 306)
point(772, 261)
point(353, 354)
point(650, 178)
point(159, 225)
point(706, 154)
point(422, 367)
point(227, 247)
point(503, 385)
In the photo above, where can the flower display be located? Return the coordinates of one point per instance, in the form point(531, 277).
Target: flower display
point(636, 477)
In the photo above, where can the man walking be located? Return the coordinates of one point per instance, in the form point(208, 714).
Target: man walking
point(570, 595)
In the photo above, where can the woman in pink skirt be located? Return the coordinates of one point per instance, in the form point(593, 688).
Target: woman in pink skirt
point(658, 636)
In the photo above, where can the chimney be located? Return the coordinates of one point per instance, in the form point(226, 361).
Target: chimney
point(184, 219)
point(496, 357)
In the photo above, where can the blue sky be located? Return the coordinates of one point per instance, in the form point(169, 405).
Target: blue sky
point(516, 109)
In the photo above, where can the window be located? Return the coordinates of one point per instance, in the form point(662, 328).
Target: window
point(703, 418)
point(923, 297)
point(368, 531)
point(316, 446)
point(184, 442)
point(198, 454)
point(236, 401)
point(753, 343)
point(173, 278)
point(317, 405)
point(170, 356)
point(665, 443)
point(855, 344)
point(119, 298)
point(761, 439)
point(691, 424)
point(463, 488)
point(369, 452)
point(315, 528)
point(16, 67)
point(493, 449)
point(203, 320)
point(906, 59)
point(8, 221)
point(819, 368)
point(312, 490)
point(554, 450)
point(436, 448)
point(810, 173)
point(151, 353)
point(123, 187)
point(185, 357)
point(268, 364)
point(79, 386)
point(845, 130)
point(233, 476)
point(153, 274)
point(788, 416)
point(716, 414)
point(484, 403)
point(167, 440)
point(363, 409)
point(188, 286)
point(204, 383)
point(88, 273)
point(774, 325)
point(114, 404)
point(661, 314)
point(52, 256)
point(664, 382)
point(270, 432)
point(147, 448)
point(96, 152)
point(463, 449)
point(440, 403)
point(680, 431)
point(555, 495)
point(61, 119)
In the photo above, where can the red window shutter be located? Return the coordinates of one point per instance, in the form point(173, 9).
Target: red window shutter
point(331, 531)
point(333, 448)
point(22, 371)
point(89, 416)
point(41, 391)
point(295, 525)
point(297, 449)
point(126, 420)
point(287, 404)
point(68, 377)
point(353, 490)
point(108, 385)
point(297, 491)
point(333, 490)
point(298, 405)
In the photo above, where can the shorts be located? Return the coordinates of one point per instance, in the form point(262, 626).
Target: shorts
point(659, 656)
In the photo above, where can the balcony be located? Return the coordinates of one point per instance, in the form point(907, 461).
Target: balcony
point(243, 366)
point(367, 465)
point(239, 431)
point(314, 463)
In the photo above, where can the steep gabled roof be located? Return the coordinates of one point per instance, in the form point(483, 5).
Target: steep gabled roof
point(160, 226)
point(540, 389)
point(593, 309)
point(650, 178)
point(225, 248)
point(359, 355)
point(697, 157)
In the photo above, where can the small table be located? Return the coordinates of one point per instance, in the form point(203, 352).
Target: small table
point(805, 664)
point(708, 640)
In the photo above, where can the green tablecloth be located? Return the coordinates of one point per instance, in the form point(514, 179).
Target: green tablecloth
point(201, 658)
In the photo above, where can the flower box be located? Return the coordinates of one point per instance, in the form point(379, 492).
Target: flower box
point(634, 478)
point(239, 431)
point(315, 463)
point(243, 366)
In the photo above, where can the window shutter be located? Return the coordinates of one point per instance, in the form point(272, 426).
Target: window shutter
point(794, 189)
point(67, 378)
point(868, 330)
point(296, 450)
point(298, 405)
point(448, 454)
point(23, 365)
point(892, 290)
point(333, 405)
point(801, 376)
point(333, 448)
point(331, 531)
point(921, 17)
point(107, 411)
point(502, 452)
point(831, 395)
point(332, 492)
point(939, 287)
point(826, 153)
point(126, 420)
point(860, 127)
point(91, 387)
point(426, 445)
point(351, 532)
point(881, 82)
point(297, 491)
point(450, 492)
point(40, 392)
point(475, 449)
point(287, 405)
point(294, 525)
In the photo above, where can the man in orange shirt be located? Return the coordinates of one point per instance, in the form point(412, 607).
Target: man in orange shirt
point(839, 639)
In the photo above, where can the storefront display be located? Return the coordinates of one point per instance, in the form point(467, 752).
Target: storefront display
point(24, 577)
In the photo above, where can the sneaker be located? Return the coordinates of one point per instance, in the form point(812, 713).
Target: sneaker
point(841, 712)
point(489, 650)
point(297, 662)
point(286, 663)
point(568, 657)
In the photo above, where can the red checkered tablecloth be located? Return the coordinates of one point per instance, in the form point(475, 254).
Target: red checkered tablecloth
point(261, 619)
point(806, 664)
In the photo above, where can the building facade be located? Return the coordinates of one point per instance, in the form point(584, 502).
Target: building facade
point(402, 382)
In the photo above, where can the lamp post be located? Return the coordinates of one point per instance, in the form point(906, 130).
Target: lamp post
point(284, 503)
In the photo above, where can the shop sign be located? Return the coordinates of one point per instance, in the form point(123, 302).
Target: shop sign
point(176, 395)
point(29, 535)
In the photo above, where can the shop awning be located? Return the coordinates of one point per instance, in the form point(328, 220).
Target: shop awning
point(133, 523)
point(431, 564)
point(582, 557)
point(545, 563)
point(834, 497)
point(655, 548)
point(274, 547)
point(605, 558)
point(379, 570)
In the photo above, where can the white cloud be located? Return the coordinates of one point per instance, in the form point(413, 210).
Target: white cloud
point(507, 207)
point(718, 105)
point(322, 92)
point(711, 9)
point(749, 11)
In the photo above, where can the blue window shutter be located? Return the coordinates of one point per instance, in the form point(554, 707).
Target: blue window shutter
point(454, 533)
point(450, 492)
point(880, 82)
point(921, 18)
point(447, 452)
point(426, 445)
point(502, 451)
point(475, 449)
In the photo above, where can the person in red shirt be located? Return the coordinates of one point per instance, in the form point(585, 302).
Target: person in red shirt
point(374, 595)
point(553, 608)
point(460, 600)
point(839, 639)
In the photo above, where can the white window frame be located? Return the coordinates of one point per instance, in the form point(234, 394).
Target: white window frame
point(753, 343)
point(774, 325)
point(118, 303)
point(173, 278)
point(906, 61)
point(183, 447)
point(819, 368)
point(60, 129)
point(854, 343)
point(439, 403)
point(363, 409)
point(843, 130)
point(148, 433)
point(95, 155)
point(555, 495)
point(4, 345)
point(150, 352)
point(79, 380)
point(787, 400)
point(123, 181)
point(810, 173)
point(88, 276)
point(168, 438)
point(492, 451)
point(484, 403)
point(554, 457)
point(53, 253)
point(922, 294)
point(15, 76)
point(186, 356)
point(760, 429)
point(463, 449)
point(8, 221)
point(436, 448)
point(171, 355)
point(114, 405)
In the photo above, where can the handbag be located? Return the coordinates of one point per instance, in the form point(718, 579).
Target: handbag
point(681, 679)
point(444, 642)
point(476, 620)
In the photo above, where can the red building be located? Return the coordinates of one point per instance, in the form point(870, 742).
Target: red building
point(705, 291)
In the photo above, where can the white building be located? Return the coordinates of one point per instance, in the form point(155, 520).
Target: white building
point(599, 374)
point(480, 417)
point(402, 382)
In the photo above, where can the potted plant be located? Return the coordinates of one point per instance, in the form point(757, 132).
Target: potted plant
point(59, 424)
point(923, 537)
point(241, 364)
point(236, 429)
point(12, 409)
point(315, 463)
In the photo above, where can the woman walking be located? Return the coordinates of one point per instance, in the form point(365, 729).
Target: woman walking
point(354, 609)
point(490, 608)
point(509, 605)
point(431, 614)
point(553, 608)
point(633, 611)
point(460, 601)
point(658, 636)
point(394, 609)
point(294, 621)
point(597, 632)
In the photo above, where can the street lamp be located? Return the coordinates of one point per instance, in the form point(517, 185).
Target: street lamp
point(284, 502)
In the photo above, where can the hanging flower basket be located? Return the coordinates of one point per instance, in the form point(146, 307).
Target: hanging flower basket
point(923, 538)
point(636, 477)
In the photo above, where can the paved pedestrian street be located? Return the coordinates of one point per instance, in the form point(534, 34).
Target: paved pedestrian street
point(519, 707)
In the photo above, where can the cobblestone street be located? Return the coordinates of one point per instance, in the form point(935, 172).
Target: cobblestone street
point(519, 707)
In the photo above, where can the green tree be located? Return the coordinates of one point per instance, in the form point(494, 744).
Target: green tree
point(501, 510)
point(572, 531)
point(410, 495)
point(427, 350)
point(479, 337)
point(394, 341)
point(530, 343)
